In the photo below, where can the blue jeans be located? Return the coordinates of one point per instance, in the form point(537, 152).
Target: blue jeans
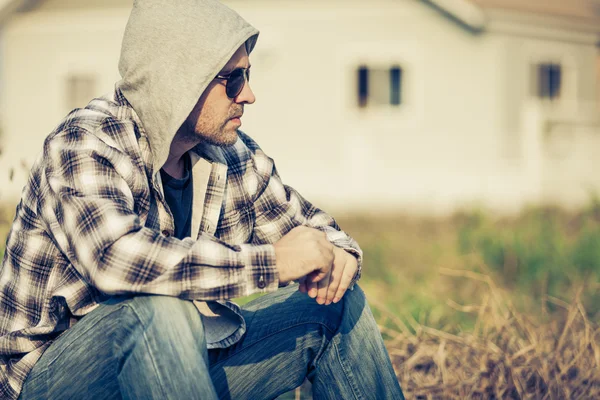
point(153, 347)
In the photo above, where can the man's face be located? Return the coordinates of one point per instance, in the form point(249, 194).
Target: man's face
point(216, 117)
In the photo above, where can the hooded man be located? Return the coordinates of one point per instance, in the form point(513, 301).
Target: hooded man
point(147, 211)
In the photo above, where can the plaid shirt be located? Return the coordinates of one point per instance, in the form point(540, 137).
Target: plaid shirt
point(93, 222)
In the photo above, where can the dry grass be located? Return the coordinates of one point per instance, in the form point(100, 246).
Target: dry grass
point(506, 355)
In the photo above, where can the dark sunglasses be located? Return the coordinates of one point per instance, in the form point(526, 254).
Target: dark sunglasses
point(235, 81)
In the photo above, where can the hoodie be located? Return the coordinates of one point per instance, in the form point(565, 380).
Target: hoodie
point(171, 51)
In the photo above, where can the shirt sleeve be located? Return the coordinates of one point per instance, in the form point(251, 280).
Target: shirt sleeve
point(90, 209)
point(280, 208)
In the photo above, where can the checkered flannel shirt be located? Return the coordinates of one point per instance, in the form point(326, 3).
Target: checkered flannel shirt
point(85, 230)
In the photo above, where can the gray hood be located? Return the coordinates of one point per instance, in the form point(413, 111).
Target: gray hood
point(172, 50)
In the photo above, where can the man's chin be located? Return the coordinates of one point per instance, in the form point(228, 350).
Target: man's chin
point(226, 140)
point(230, 138)
point(230, 142)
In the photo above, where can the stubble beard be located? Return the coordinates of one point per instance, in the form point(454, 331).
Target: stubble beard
point(218, 133)
point(208, 133)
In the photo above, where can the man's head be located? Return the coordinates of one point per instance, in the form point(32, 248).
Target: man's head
point(216, 116)
point(172, 51)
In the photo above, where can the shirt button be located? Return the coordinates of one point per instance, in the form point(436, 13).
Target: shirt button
point(166, 233)
point(261, 282)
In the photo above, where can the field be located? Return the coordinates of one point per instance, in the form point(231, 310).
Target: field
point(473, 306)
point(477, 307)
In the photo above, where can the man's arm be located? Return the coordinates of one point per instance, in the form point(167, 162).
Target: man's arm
point(279, 208)
point(90, 211)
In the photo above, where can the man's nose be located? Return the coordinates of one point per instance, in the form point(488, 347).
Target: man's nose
point(246, 95)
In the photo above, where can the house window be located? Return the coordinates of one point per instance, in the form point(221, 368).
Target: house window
point(549, 81)
point(395, 86)
point(379, 86)
point(80, 89)
point(363, 86)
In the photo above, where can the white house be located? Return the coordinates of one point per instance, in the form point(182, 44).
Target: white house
point(407, 105)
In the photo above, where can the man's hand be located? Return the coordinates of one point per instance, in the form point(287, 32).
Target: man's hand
point(303, 251)
point(333, 286)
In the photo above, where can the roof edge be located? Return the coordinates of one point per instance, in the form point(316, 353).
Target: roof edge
point(500, 17)
point(8, 7)
point(468, 15)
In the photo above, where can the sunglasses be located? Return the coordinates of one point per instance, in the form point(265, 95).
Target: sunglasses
point(235, 81)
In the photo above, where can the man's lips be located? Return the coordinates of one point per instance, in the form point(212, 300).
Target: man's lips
point(237, 120)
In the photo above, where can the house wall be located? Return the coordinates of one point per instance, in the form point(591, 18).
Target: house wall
point(433, 153)
point(40, 49)
point(457, 140)
point(564, 133)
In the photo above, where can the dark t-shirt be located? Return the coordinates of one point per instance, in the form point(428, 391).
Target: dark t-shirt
point(179, 195)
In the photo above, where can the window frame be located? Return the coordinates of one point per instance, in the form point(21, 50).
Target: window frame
point(395, 75)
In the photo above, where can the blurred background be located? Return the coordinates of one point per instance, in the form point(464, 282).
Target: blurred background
point(457, 140)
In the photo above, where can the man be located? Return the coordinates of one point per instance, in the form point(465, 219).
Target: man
point(147, 211)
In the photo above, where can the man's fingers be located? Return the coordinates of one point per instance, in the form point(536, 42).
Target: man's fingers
point(327, 287)
point(311, 286)
point(339, 265)
point(317, 275)
point(322, 286)
point(302, 285)
point(334, 284)
point(344, 283)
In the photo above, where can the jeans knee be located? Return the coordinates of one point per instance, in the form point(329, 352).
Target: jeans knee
point(161, 349)
point(355, 303)
point(355, 297)
point(169, 318)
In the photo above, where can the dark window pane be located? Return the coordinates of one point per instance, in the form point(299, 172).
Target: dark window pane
point(555, 81)
point(395, 85)
point(549, 81)
point(363, 86)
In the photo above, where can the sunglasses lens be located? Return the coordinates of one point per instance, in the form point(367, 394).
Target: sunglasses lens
point(235, 83)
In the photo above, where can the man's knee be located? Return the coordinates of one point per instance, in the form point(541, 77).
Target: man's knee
point(162, 349)
point(169, 318)
point(355, 298)
point(356, 308)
